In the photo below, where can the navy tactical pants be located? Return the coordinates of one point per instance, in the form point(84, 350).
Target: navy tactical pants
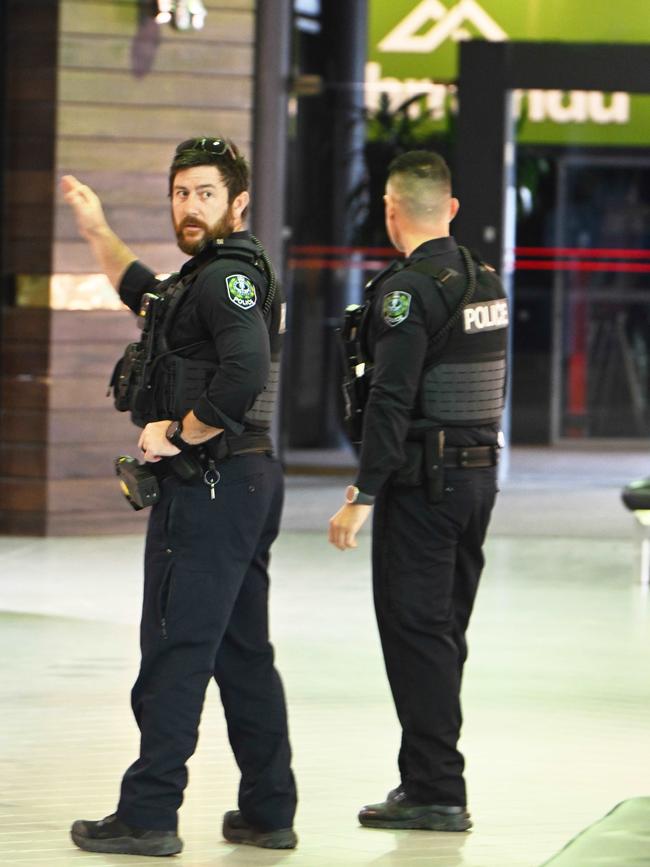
point(205, 615)
point(427, 561)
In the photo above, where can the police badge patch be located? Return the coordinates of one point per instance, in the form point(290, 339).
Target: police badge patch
point(396, 307)
point(241, 291)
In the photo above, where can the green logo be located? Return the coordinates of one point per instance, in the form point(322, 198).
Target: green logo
point(241, 291)
point(396, 307)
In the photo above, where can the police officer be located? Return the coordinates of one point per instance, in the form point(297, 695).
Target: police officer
point(207, 549)
point(434, 337)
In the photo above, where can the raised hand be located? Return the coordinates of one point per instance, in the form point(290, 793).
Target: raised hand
point(86, 205)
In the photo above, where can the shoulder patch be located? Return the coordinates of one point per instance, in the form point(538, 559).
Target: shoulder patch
point(241, 291)
point(396, 307)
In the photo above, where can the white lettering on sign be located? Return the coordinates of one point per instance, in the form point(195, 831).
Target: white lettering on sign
point(407, 36)
point(485, 316)
point(574, 106)
point(538, 106)
point(411, 36)
point(399, 90)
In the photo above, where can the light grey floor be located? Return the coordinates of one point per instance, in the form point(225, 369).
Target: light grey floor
point(556, 695)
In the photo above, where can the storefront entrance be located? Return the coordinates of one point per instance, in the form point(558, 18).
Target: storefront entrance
point(601, 299)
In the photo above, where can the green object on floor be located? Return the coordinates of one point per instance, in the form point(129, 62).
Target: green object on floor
point(619, 839)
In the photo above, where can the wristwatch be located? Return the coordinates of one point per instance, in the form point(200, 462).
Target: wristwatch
point(353, 496)
point(173, 434)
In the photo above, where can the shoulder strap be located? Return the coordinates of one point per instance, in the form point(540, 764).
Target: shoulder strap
point(442, 275)
point(371, 285)
point(270, 275)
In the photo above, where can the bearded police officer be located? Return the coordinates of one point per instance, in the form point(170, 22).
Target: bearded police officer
point(433, 337)
point(206, 396)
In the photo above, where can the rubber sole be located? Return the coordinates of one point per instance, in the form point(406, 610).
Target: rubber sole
point(129, 845)
point(425, 822)
point(284, 838)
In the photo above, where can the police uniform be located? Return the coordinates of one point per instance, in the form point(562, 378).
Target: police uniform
point(205, 610)
point(427, 549)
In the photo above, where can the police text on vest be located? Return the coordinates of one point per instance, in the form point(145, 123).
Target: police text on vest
point(485, 316)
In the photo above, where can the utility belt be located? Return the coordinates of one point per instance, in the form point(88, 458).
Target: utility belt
point(471, 456)
point(427, 457)
point(140, 482)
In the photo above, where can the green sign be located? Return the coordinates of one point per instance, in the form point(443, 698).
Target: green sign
point(414, 49)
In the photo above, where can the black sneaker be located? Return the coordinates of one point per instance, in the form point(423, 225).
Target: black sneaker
point(237, 830)
point(113, 836)
point(398, 811)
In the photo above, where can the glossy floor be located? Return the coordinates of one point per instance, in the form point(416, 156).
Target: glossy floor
point(556, 695)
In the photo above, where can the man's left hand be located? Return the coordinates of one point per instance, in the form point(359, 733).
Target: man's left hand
point(345, 525)
point(154, 443)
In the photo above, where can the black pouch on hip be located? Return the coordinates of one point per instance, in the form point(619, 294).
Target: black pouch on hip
point(434, 464)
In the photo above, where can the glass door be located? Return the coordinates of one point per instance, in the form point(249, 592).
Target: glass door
point(601, 299)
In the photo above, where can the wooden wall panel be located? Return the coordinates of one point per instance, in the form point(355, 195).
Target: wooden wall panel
point(23, 460)
point(129, 91)
point(30, 106)
point(99, 90)
point(94, 522)
point(17, 523)
point(82, 87)
point(140, 123)
point(73, 257)
point(124, 158)
point(230, 22)
point(218, 56)
point(30, 187)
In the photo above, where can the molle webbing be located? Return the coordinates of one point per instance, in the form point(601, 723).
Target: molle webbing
point(261, 413)
point(467, 392)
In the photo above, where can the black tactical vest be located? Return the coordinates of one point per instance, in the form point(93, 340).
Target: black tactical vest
point(464, 377)
point(154, 382)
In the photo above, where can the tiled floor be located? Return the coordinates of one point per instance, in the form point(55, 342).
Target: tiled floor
point(556, 696)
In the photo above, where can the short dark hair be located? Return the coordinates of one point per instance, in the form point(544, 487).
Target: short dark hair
point(422, 180)
point(425, 165)
point(213, 151)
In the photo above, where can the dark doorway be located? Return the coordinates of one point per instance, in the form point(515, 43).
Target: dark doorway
point(584, 324)
point(601, 366)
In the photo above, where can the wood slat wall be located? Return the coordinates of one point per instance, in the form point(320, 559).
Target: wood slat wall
point(128, 92)
point(98, 90)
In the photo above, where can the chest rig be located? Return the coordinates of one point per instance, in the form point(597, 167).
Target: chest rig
point(463, 380)
point(152, 381)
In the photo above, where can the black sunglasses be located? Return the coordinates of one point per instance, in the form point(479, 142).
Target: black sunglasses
point(216, 147)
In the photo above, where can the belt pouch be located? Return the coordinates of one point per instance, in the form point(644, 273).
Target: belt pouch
point(434, 464)
point(186, 466)
point(410, 473)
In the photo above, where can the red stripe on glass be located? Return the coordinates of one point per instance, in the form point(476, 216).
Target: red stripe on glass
point(545, 265)
point(583, 252)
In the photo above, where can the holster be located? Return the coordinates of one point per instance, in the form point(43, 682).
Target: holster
point(424, 463)
point(434, 464)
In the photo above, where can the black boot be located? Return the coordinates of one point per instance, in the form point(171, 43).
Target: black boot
point(113, 836)
point(398, 811)
point(237, 830)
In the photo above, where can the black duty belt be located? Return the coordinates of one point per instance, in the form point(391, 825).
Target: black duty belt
point(471, 456)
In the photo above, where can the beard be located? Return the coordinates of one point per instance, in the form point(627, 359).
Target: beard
point(221, 229)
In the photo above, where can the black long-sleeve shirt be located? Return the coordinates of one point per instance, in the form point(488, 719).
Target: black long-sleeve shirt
point(235, 334)
point(399, 349)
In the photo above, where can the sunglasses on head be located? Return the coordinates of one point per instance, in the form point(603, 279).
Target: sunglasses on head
point(216, 147)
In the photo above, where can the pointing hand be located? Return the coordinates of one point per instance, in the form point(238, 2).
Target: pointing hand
point(86, 205)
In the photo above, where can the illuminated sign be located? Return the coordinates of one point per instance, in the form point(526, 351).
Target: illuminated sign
point(414, 50)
